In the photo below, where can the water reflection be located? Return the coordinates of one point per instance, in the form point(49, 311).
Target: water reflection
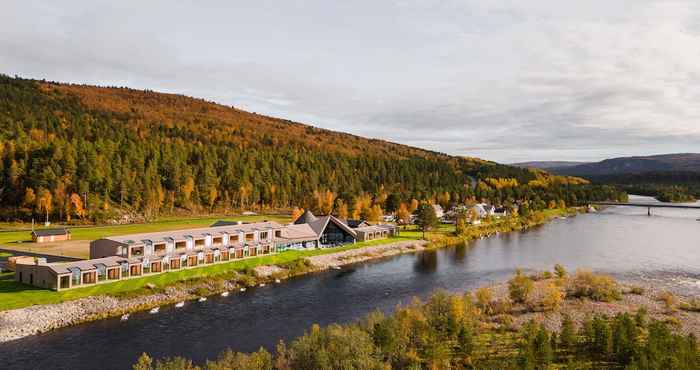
point(426, 262)
point(460, 253)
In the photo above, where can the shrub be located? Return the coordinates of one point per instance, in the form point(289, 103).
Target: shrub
point(501, 306)
point(669, 299)
point(637, 290)
point(520, 287)
point(567, 335)
point(483, 298)
point(560, 271)
point(246, 280)
point(202, 291)
point(597, 287)
point(553, 297)
point(693, 305)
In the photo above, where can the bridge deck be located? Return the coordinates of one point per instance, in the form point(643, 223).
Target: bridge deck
point(647, 205)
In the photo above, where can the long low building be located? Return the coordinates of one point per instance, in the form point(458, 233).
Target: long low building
point(130, 256)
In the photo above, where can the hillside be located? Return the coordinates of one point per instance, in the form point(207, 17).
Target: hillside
point(668, 177)
point(63, 145)
point(688, 162)
point(547, 165)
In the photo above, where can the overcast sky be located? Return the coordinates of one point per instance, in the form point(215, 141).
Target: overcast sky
point(502, 80)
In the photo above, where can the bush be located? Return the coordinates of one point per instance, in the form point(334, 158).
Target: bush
point(596, 287)
point(560, 271)
point(553, 297)
point(520, 287)
point(693, 305)
point(483, 298)
point(202, 292)
point(669, 299)
point(637, 290)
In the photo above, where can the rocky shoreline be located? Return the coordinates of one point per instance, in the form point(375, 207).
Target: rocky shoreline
point(633, 298)
point(27, 321)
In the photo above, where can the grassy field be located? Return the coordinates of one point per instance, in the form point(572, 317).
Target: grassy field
point(14, 295)
point(20, 240)
point(96, 232)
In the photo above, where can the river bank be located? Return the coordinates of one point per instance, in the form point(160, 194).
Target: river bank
point(32, 320)
point(659, 305)
point(23, 322)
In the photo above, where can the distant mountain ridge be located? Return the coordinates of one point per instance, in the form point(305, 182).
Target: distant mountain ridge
point(680, 162)
point(546, 165)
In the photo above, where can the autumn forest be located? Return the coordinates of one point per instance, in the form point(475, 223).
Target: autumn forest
point(91, 154)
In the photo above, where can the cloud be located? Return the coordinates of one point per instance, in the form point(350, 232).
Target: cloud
point(503, 80)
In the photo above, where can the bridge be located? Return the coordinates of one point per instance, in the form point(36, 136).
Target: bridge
point(648, 206)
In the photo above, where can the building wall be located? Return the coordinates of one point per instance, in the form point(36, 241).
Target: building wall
point(52, 238)
point(38, 275)
point(101, 248)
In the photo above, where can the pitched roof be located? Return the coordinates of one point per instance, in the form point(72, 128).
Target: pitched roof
point(375, 228)
point(355, 223)
point(85, 265)
point(306, 218)
point(320, 224)
point(301, 232)
point(50, 232)
point(160, 236)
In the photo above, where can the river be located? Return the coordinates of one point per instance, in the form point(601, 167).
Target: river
point(663, 249)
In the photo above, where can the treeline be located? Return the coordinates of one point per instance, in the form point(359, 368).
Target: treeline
point(666, 186)
point(89, 153)
point(449, 332)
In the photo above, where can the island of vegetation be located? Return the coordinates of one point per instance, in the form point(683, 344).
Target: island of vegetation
point(540, 321)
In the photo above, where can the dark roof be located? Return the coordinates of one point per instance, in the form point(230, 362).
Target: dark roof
point(306, 218)
point(320, 224)
point(356, 223)
point(223, 223)
point(50, 232)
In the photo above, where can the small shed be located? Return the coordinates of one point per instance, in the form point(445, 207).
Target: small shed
point(50, 235)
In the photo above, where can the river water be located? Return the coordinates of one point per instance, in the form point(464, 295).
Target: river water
point(663, 249)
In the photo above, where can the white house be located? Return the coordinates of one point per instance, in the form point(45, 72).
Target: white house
point(439, 212)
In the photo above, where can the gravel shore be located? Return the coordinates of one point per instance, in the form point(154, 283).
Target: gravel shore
point(579, 309)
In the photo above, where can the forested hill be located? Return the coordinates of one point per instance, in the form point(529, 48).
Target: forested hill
point(152, 153)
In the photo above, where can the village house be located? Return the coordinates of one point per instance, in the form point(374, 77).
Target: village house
point(50, 235)
point(439, 211)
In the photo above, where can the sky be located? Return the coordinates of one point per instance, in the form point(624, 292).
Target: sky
point(502, 80)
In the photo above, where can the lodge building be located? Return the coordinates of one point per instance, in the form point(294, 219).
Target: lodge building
point(130, 256)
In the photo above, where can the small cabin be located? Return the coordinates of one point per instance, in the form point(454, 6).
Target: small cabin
point(50, 235)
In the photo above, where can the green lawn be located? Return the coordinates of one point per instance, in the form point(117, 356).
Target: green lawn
point(96, 232)
point(14, 295)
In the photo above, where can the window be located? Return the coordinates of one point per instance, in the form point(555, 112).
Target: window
point(159, 248)
point(217, 241)
point(136, 251)
point(263, 235)
point(89, 277)
point(65, 282)
point(181, 245)
point(101, 272)
point(278, 233)
point(199, 243)
point(249, 237)
point(156, 267)
point(233, 239)
point(75, 276)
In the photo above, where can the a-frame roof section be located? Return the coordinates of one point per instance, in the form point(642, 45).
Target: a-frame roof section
point(319, 224)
